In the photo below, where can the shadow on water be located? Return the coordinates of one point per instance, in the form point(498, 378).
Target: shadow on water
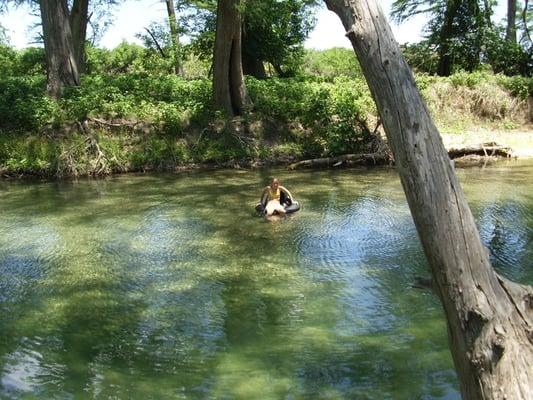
point(170, 287)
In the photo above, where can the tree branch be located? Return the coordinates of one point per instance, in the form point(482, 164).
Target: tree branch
point(156, 42)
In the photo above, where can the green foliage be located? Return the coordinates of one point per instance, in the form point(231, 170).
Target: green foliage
point(422, 57)
point(333, 113)
point(326, 111)
point(8, 62)
point(461, 36)
point(456, 30)
point(25, 107)
point(468, 79)
point(159, 153)
point(31, 61)
point(508, 58)
point(140, 97)
point(21, 63)
point(217, 147)
point(331, 63)
point(126, 57)
point(519, 86)
point(273, 30)
point(28, 153)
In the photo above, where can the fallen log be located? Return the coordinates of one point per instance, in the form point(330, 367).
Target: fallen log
point(480, 152)
point(490, 149)
point(346, 160)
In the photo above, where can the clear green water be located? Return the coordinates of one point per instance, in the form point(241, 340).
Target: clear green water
point(168, 286)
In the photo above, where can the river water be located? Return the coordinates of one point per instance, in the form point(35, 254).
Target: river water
point(168, 286)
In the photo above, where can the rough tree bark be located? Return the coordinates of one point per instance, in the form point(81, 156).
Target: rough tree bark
point(490, 319)
point(229, 89)
point(79, 17)
point(61, 63)
point(510, 32)
point(252, 66)
point(174, 37)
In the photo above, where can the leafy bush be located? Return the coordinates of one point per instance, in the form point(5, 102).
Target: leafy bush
point(31, 61)
point(21, 63)
point(28, 153)
point(519, 86)
point(331, 63)
point(422, 57)
point(25, 107)
point(508, 58)
point(8, 62)
point(333, 113)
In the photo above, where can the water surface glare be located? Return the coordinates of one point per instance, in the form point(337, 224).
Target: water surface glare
point(168, 286)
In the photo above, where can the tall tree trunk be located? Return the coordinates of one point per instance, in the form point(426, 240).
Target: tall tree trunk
point(174, 37)
point(510, 33)
point(487, 13)
point(251, 65)
point(79, 17)
point(444, 67)
point(61, 63)
point(490, 319)
point(229, 89)
point(524, 20)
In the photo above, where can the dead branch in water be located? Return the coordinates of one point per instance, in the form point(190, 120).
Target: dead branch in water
point(344, 160)
point(490, 149)
point(483, 151)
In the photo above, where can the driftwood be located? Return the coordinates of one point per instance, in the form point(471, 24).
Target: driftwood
point(344, 160)
point(490, 149)
point(481, 153)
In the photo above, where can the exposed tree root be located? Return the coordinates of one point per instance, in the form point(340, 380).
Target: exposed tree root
point(98, 162)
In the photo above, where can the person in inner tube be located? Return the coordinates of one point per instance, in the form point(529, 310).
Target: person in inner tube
point(271, 197)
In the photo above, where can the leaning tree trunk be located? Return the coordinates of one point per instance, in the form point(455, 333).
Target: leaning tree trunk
point(174, 37)
point(510, 32)
point(490, 319)
point(229, 89)
point(79, 17)
point(61, 63)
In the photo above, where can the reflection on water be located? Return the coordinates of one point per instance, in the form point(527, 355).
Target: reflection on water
point(168, 286)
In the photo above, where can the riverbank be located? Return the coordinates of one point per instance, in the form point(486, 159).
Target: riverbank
point(99, 153)
point(138, 122)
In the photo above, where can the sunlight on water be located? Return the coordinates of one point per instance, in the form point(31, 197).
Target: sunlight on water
point(169, 286)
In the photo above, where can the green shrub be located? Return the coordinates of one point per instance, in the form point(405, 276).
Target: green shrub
point(331, 63)
point(31, 61)
point(519, 86)
point(34, 154)
point(24, 106)
point(334, 113)
point(8, 61)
